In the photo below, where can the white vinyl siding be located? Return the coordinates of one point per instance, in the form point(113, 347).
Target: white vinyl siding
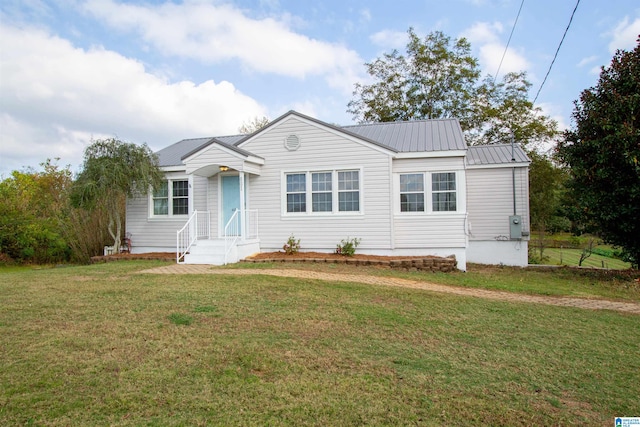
point(321, 151)
point(159, 233)
point(490, 201)
point(428, 228)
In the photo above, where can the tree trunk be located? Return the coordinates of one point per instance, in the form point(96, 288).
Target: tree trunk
point(114, 221)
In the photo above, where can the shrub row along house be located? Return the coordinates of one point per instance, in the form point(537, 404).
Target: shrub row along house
point(402, 188)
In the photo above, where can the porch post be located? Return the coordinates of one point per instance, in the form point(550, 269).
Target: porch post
point(242, 199)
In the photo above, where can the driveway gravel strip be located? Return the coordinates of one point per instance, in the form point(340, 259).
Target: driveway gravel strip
point(584, 303)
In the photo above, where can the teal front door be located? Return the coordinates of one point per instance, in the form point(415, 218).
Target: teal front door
point(230, 200)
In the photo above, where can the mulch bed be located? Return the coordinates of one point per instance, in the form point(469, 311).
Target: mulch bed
point(430, 263)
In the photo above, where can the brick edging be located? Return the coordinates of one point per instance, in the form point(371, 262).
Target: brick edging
point(433, 264)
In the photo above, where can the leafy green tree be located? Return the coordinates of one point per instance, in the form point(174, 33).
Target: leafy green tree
point(112, 171)
point(502, 111)
point(546, 189)
point(435, 79)
point(439, 78)
point(32, 214)
point(603, 154)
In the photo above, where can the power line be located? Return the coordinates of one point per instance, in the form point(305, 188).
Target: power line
point(508, 41)
point(557, 50)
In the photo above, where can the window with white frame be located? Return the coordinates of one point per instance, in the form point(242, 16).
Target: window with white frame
point(321, 192)
point(443, 191)
point(296, 192)
point(171, 199)
point(414, 194)
point(330, 191)
point(348, 191)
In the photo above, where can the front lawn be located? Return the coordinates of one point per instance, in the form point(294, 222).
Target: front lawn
point(102, 345)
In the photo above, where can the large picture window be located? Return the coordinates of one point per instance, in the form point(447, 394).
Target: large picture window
point(414, 194)
point(171, 198)
point(329, 191)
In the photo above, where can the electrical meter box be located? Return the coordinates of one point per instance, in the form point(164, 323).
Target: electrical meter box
point(515, 227)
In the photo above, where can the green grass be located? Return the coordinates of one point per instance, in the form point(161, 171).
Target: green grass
point(559, 282)
point(559, 256)
point(95, 346)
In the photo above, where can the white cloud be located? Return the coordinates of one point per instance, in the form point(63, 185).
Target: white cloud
point(220, 32)
point(56, 97)
point(587, 60)
point(389, 39)
point(624, 35)
point(484, 32)
point(491, 49)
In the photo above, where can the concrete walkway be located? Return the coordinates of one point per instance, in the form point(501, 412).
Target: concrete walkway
point(591, 304)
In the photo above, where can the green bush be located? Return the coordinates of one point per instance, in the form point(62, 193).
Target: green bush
point(347, 247)
point(292, 246)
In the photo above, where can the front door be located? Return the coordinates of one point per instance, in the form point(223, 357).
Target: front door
point(230, 199)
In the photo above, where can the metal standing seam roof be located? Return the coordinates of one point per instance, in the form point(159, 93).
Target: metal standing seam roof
point(174, 154)
point(414, 136)
point(411, 136)
point(495, 154)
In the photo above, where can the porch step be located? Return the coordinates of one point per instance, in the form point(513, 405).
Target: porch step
point(206, 252)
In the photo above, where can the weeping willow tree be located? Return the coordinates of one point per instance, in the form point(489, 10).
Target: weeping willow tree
point(111, 172)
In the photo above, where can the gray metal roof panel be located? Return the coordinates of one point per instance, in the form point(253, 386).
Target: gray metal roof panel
point(414, 136)
point(172, 155)
point(495, 154)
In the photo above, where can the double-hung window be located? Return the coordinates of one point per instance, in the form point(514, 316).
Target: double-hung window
point(296, 192)
point(348, 191)
point(171, 198)
point(414, 192)
point(321, 192)
point(443, 191)
point(328, 191)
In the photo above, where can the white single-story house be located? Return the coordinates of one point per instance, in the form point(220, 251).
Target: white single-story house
point(402, 188)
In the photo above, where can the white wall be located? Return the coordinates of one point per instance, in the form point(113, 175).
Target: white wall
point(509, 252)
point(157, 234)
point(321, 149)
point(490, 203)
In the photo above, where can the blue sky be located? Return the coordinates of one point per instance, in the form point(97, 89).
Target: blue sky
point(159, 71)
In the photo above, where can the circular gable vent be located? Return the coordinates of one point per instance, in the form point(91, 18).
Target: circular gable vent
point(292, 142)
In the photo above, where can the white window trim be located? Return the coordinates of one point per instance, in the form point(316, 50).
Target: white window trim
point(170, 215)
point(309, 193)
point(428, 200)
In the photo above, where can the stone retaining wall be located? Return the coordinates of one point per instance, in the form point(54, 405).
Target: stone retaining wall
point(424, 264)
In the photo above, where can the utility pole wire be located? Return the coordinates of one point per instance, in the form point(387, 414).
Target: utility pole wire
point(508, 41)
point(557, 50)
